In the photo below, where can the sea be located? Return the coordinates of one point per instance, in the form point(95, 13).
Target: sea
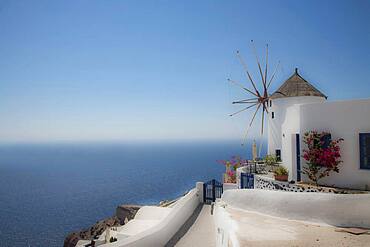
point(51, 189)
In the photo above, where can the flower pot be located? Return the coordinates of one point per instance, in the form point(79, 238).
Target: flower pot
point(283, 178)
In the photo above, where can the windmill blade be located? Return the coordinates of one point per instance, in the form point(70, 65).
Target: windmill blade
point(250, 124)
point(258, 62)
point(266, 109)
point(240, 85)
point(267, 55)
point(246, 101)
point(260, 147)
point(246, 108)
point(273, 75)
point(262, 101)
point(254, 115)
point(246, 70)
point(263, 118)
point(281, 93)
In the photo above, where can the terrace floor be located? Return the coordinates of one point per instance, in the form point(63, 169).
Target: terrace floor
point(257, 230)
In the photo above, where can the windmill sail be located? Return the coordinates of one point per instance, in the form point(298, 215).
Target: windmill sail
point(259, 100)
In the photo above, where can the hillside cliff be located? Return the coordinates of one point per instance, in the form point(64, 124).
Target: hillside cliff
point(123, 214)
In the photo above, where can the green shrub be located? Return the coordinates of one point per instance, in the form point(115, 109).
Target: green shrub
point(270, 160)
point(281, 170)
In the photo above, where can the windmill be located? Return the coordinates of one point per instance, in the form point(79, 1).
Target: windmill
point(258, 99)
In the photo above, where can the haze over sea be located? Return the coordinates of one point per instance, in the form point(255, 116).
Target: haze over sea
point(49, 190)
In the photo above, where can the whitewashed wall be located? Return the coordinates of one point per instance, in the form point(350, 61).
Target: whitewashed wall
point(289, 128)
point(279, 107)
point(225, 229)
point(160, 234)
point(343, 119)
point(230, 186)
point(324, 208)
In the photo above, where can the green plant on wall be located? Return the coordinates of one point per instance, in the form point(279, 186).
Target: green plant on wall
point(270, 160)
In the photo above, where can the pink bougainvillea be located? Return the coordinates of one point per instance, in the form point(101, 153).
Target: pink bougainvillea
point(231, 173)
point(322, 155)
point(231, 166)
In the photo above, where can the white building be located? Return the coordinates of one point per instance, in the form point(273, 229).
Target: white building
point(297, 107)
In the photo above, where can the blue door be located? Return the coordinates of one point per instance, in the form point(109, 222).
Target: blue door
point(246, 180)
point(298, 158)
point(212, 190)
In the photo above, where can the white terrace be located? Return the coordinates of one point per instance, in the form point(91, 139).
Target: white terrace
point(247, 217)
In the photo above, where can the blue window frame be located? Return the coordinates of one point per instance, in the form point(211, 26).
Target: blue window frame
point(327, 140)
point(365, 151)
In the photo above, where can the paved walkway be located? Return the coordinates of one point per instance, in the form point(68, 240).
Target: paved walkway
point(202, 233)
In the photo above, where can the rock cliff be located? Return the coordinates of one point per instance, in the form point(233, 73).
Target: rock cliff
point(124, 213)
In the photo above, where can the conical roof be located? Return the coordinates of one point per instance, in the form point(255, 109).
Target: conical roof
point(296, 86)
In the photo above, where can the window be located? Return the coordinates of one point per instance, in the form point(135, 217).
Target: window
point(270, 103)
point(365, 151)
point(326, 139)
point(278, 154)
point(272, 115)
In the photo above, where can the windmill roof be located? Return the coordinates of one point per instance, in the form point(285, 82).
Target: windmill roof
point(295, 86)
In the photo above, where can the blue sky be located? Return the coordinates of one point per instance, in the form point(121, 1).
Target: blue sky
point(128, 70)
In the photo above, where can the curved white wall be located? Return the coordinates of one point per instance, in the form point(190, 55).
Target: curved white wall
point(225, 229)
point(161, 233)
point(351, 210)
point(152, 213)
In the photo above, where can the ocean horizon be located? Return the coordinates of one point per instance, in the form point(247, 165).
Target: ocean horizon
point(51, 189)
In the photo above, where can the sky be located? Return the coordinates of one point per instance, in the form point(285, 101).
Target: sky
point(157, 70)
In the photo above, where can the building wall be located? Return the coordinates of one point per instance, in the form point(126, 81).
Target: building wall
point(289, 128)
point(284, 125)
point(343, 119)
point(279, 107)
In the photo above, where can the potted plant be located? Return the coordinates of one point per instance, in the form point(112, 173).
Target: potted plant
point(281, 173)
